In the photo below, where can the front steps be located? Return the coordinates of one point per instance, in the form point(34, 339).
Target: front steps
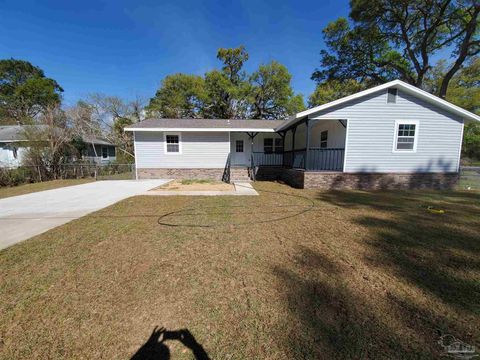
point(239, 174)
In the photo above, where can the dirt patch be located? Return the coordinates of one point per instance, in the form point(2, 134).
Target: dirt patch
point(195, 185)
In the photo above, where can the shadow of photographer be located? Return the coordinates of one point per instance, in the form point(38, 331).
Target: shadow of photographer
point(156, 349)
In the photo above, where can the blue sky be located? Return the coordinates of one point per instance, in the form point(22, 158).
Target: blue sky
point(125, 48)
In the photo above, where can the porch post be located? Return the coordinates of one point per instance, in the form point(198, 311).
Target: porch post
point(294, 130)
point(307, 143)
point(282, 135)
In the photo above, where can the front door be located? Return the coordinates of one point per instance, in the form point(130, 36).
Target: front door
point(239, 156)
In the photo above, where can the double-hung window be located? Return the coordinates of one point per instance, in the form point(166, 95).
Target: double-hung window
point(406, 134)
point(172, 144)
point(272, 145)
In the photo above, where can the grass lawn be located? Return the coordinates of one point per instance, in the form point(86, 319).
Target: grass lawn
point(289, 274)
point(41, 186)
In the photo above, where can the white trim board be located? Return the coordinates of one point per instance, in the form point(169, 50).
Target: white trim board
point(200, 129)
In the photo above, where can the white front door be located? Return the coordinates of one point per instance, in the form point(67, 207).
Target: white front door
point(239, 149)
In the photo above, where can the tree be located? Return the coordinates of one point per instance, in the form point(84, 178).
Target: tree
point(179, 96)
point(398, 38)
point(49, 144)
point(233, 60)
point(105, 117)
point(331, 90)
point(25, 92)
point(226, 90)
point(464, 91)
point(271, 94)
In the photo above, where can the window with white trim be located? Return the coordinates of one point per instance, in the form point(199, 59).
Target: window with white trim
point(239, 146)
point(324, 139)
point(172, 143)
point(406, 136)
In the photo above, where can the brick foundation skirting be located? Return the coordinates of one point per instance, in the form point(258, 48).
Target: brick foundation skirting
point(358, 181)
point(380, 181)
point(320, 180)
point(198, 174)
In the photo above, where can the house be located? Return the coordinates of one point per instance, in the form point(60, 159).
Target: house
point(98, 150)
point(391, 136)
point(14, 145)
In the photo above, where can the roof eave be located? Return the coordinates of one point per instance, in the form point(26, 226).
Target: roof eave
point(159, 129)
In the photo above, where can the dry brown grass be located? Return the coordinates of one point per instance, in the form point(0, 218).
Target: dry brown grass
point(192, 185)
point(343, 275)
point(8, 191)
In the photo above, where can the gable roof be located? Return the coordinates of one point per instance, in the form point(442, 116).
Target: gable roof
point(206, 124)
point(398, 84)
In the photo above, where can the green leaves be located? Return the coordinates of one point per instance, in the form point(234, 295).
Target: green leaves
point(179, 96)
point(271, 96)
point(228, 93)
point(25, 92)
point(332, 90)
point(389, 39)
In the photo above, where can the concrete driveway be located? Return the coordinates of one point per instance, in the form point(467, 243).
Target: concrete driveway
point(24, 216)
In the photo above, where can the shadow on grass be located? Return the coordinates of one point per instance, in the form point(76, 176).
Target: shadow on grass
point(434, 258)
point(330, 321)
point(432, 251)
point(156, 349)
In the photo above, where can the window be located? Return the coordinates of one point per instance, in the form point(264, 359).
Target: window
point(104, 152)
point(239, 146)
point(268, 145)
point(324, 139)
point(172, 143)
point(391, 96)
point(272, 145)
point(406, 136)
point(278, 145)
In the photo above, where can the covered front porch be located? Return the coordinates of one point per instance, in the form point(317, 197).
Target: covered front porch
point(312, 145)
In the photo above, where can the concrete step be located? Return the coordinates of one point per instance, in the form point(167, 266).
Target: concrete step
point(239, 174)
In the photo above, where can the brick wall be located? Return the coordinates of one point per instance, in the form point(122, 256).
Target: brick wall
point(320, 180)
point(210, 174)
point(376, 181)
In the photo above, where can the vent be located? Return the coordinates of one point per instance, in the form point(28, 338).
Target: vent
point(391, 96)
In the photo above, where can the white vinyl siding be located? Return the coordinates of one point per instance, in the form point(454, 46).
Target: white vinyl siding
point(198, 150)
point(371, 134)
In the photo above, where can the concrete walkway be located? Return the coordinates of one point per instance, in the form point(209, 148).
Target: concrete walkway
point(241, 188)
point(24, 216)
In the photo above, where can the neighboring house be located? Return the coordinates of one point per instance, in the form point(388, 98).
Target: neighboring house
point(391, 136)
point(98, 150)
point(14, 145)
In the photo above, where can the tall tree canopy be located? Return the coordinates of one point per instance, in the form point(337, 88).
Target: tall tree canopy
point(388, 39)
point(25, 92)
point(271, 94)
point(179, 96)
point(334, 89)
point(229, 92)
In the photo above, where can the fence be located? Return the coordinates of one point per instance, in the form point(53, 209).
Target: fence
point(469, 178)
point(29, 174)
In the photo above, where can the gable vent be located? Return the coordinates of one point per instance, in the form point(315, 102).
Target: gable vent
point(392, 96)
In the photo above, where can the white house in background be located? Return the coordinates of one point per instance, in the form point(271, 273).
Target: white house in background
point(14, 145)
point(391, 136)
